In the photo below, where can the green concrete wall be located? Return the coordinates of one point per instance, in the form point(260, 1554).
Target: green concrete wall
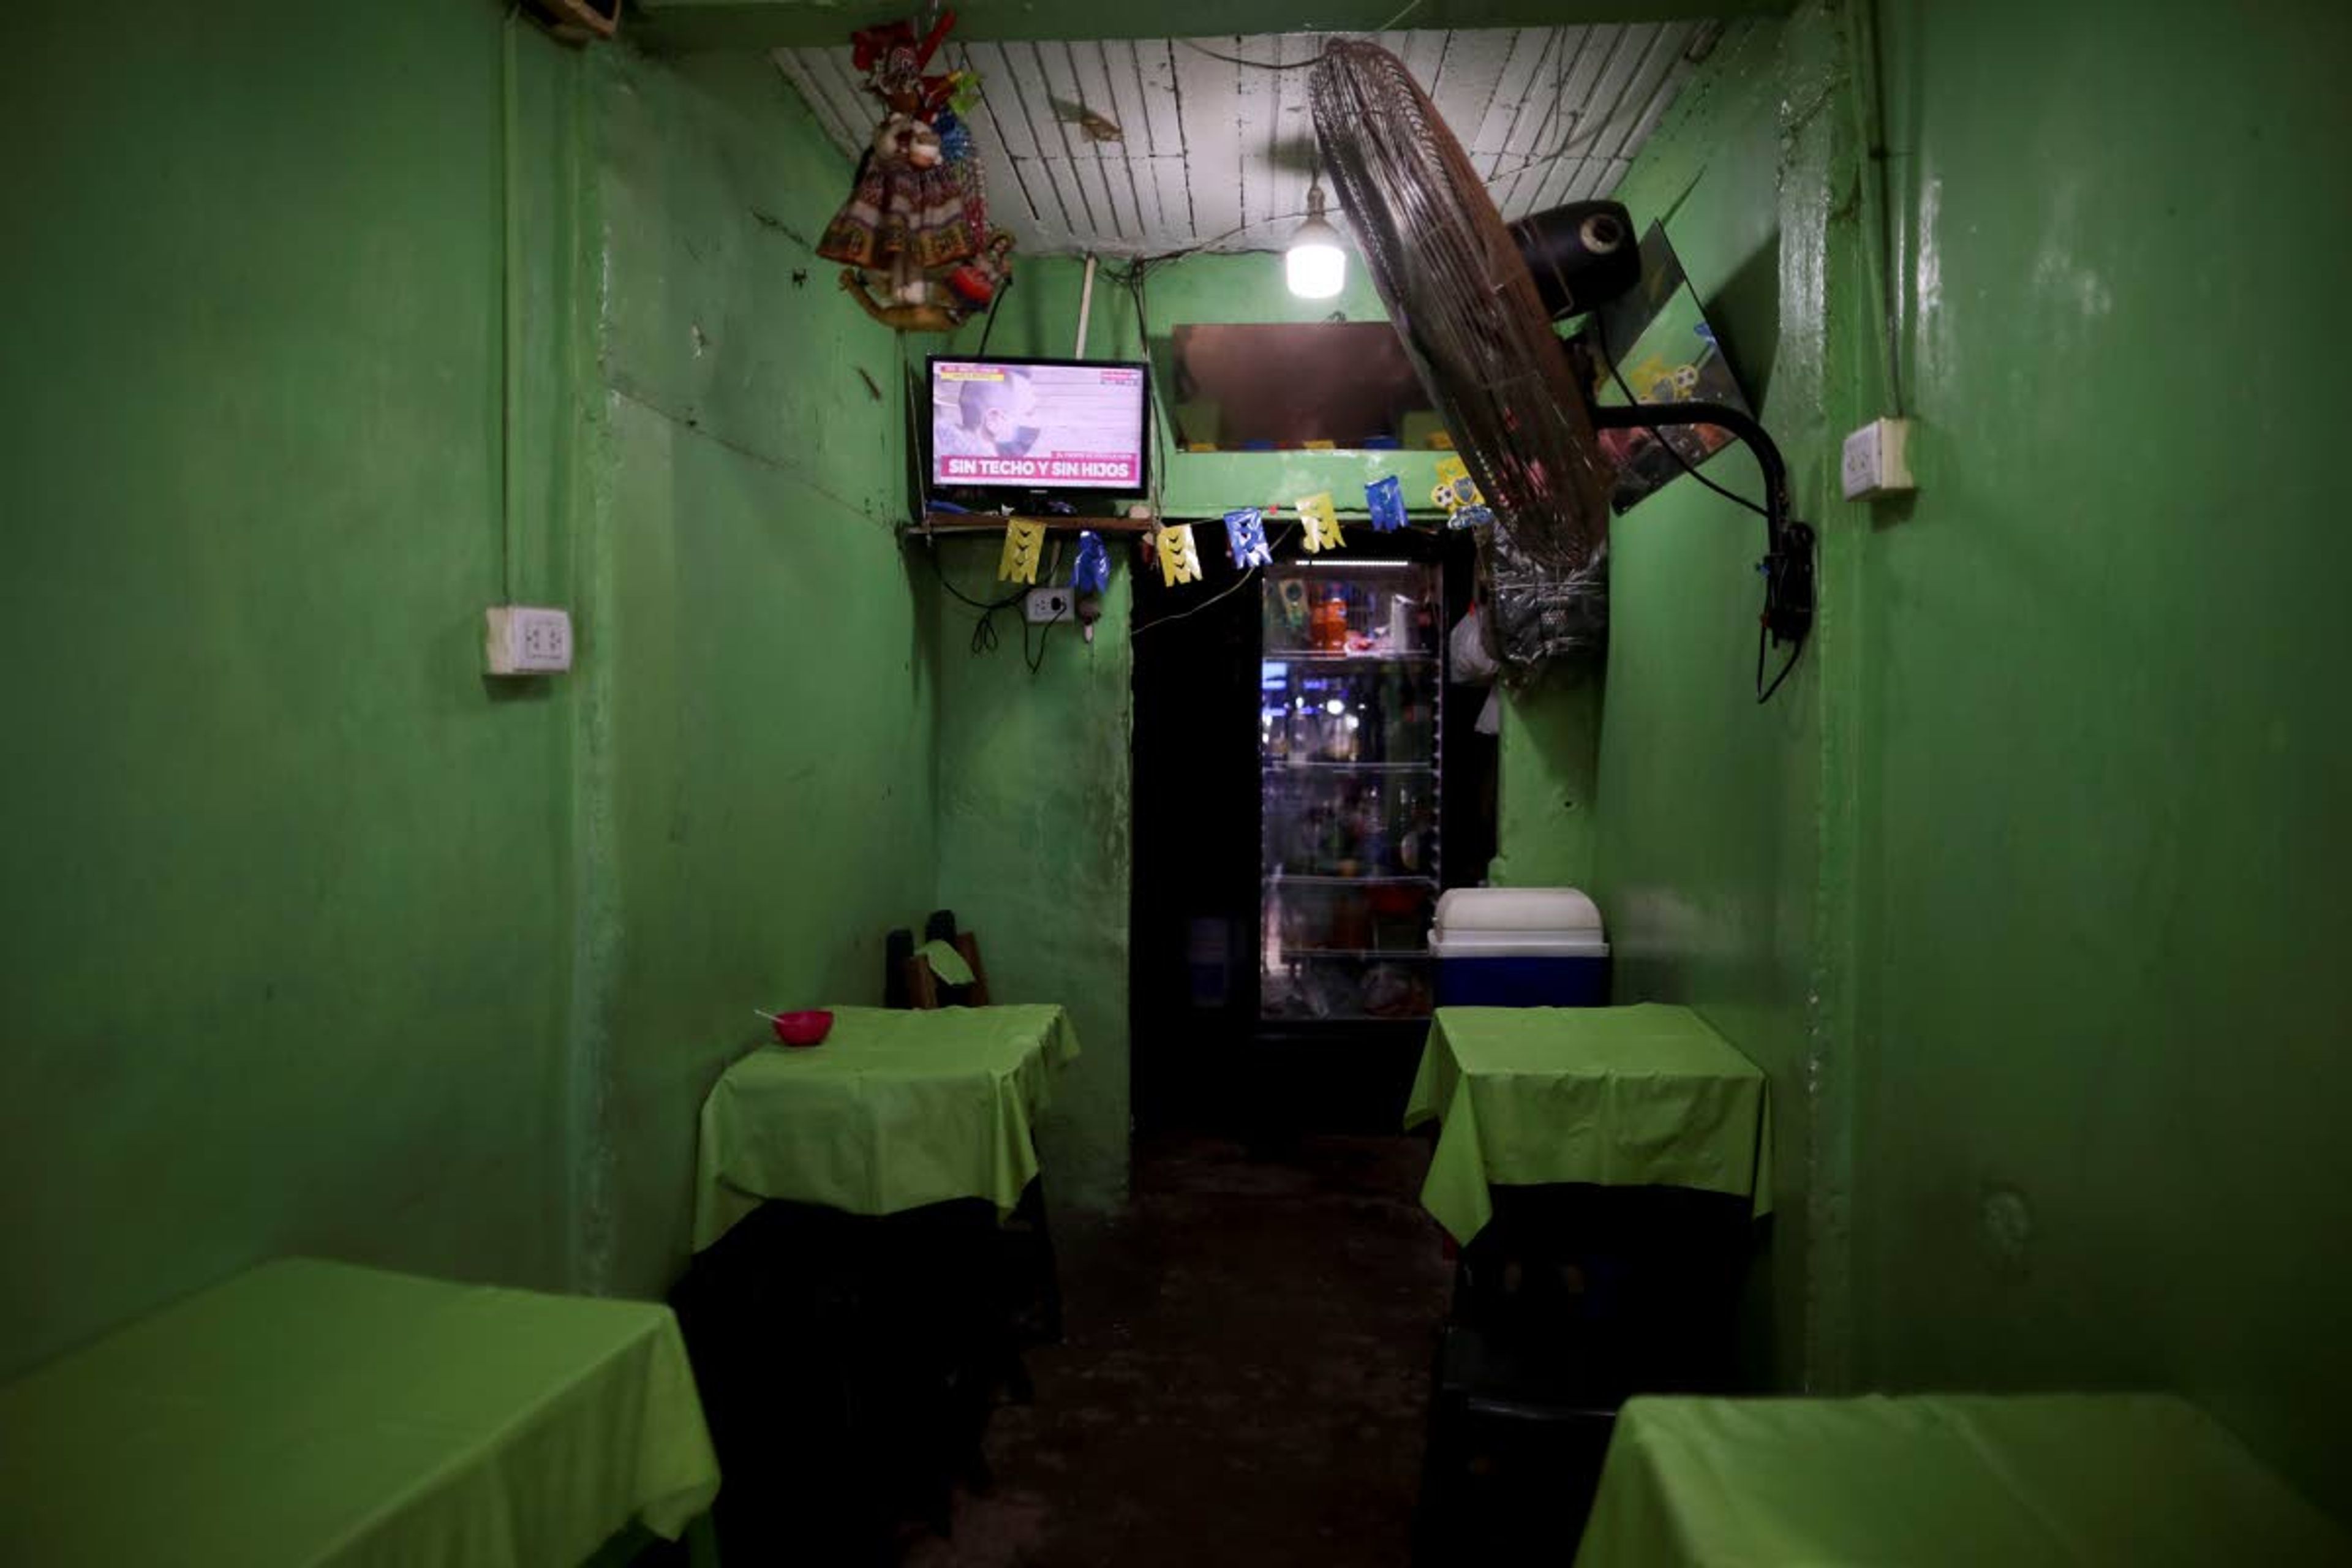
point(1035, 777)
point(1548, 762)
point(2024, 890)
point(760, 762)
point(1035, 772)
point(1705, 836)
point(1035, 815)
point(1041, 315)
point(2104, 768)
point(286, 948)
point(317, 939)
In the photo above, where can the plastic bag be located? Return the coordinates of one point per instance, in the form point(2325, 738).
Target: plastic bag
point(1468, 661)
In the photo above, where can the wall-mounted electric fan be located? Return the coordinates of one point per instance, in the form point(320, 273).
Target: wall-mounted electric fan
point(1475, 300)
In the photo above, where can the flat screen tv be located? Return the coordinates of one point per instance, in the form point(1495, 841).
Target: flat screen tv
point(1039, 426)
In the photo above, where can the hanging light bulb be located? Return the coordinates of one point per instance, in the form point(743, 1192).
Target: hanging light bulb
point(1315, 265)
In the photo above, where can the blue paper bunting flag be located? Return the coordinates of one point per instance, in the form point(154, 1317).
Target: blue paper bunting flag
point(1246, 538)
point(1384, 498)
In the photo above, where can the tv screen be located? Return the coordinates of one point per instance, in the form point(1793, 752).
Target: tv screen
point(1039, 425)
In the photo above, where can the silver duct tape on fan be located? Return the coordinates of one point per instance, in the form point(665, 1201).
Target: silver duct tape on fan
point(1535, 615)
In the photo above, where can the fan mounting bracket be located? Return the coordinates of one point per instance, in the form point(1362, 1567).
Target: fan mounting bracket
point(1788, 564)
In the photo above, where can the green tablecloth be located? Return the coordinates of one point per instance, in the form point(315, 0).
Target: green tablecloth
point(1637, 1096)
point(316, 1412)
point(895, 1110)
point(1966, 1480)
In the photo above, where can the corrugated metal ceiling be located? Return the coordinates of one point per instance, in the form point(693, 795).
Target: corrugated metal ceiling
point(1213, 153)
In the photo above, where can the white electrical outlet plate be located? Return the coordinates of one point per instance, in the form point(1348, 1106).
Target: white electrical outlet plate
point(1044, 605)
point(1877, 461)
point(526, 639)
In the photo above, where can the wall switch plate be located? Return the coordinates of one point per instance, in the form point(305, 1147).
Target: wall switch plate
point(1877, 461)
point(1044, 605)
point(526, 639)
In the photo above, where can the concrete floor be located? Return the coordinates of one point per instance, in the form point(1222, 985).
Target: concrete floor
point(1244, 1374)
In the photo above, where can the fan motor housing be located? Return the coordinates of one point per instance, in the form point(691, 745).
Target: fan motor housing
point(1580, 256)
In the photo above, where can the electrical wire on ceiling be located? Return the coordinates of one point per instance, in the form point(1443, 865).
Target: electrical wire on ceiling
point(1295, 65)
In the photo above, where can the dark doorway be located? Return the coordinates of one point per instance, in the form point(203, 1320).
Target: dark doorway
point(1202, 1058)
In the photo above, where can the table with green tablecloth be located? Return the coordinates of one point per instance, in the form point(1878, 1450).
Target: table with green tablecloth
point(1923, 1481)
point(309, 1413)
point(1645, 1095)
point(895, 1110)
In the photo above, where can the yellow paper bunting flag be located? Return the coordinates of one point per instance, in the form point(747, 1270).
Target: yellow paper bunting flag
point(1322, 522)
point(1180, 560)
point(1022, 540)
point(1455, 489)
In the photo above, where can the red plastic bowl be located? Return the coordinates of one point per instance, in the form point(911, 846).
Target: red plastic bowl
point(802, 1029)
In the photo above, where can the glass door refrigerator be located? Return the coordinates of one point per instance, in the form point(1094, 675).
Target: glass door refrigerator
point(1351, 690)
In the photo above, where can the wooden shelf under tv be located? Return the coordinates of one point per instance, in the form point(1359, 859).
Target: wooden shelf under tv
point(948, 524)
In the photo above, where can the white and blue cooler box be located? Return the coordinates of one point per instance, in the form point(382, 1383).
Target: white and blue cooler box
point(1519, 947)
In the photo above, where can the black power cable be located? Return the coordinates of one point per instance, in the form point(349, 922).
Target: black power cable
point(983, 631)
point(1602, 349)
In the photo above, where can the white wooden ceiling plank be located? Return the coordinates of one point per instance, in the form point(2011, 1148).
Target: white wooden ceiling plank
point(1121, 66)
point(1569, 124)
point(1098, 165)
point(1474, 67)
point(999, 96)
point(1253, 95)
point(1423, 49)
point(1009, 205)
point(1040, 70)
point(1208, 147)
point(1209, 111)
point(1292, 156)
point(1528, 89)
point(1600, 178)
point(820, 103)
point(1024, 182)
point(1562, 149)
point(1163, 82)
point(1565, 124)
point(1645, 96)
point(1154, 146)
point(1617, 131)
point(1617, 99)
point(1530, 46)
point(1596, 85)
point(844, 87)
point(1132, 193)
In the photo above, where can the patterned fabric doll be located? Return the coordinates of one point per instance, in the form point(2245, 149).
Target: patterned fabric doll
point(909, 214)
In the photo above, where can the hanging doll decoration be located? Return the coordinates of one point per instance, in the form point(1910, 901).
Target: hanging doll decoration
point(914, 235)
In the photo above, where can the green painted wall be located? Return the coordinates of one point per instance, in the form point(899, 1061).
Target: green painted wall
point(2024, 890)
point(285, 949)
point(2106, 768)
point(1548, 761)
point(1041, 316)
point(1035, 778)
point(1704, 831)
point(1035, 797)
point(1035, 772)
point(338, 947)
point(760, 762)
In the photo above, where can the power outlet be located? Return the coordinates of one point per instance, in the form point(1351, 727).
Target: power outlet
point(526, 639)
point(1044, 605)
point(1877, 461)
